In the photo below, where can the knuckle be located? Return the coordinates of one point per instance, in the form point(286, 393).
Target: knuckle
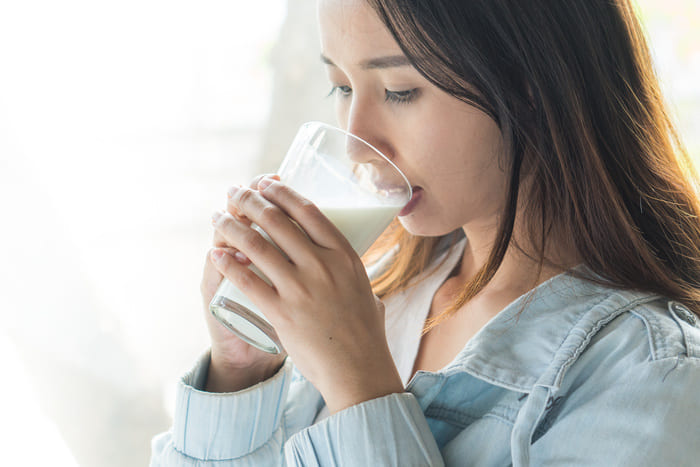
point(270, 215)
point(232, 206)
point(279, 191)
point(254, 242)
point(224, 225)
point(277, 187)
point(208, 257)
point(223, 220)
point(218, 240)
point(309, 208)
point(256, 180)
point(254, 183)
point(245, 195)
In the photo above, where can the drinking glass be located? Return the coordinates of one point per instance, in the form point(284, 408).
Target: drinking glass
point(353, 184)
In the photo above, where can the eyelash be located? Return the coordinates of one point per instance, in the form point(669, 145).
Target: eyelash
point(396, 97)
point(344, 91)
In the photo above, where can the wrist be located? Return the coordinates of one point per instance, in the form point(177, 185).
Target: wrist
point(347, 398)
point(224, 377)
point(370, 383)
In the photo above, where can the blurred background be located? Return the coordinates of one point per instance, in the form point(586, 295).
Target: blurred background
point(122, 124)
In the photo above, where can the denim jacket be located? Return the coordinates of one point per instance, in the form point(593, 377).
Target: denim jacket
point(572, 373)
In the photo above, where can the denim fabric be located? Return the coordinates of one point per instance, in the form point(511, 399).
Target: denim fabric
point(572, 373)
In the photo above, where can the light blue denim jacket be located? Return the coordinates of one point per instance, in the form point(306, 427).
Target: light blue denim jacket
point(572, 373)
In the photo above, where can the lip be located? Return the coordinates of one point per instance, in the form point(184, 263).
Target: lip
point(413, 202)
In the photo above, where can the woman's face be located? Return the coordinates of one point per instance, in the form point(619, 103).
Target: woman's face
point(446, 147)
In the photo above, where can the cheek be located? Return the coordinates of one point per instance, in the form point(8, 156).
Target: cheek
point(462, 176)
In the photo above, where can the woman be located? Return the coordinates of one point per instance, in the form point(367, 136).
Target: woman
point(539, 299)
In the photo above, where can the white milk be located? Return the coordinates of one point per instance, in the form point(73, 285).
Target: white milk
point(360, 225)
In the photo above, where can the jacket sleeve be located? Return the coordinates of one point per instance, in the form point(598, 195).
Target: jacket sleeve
point(244, 428)
point(648, 416)
point(271, 424)
point(387, 431)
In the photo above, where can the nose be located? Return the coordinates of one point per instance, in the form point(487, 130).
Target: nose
point(365, 124)
point(369, 149)
point(360, 152)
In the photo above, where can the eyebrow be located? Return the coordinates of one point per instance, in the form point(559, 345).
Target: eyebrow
point(389, 61)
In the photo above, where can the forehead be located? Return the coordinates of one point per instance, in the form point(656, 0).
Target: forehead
point(351, 31)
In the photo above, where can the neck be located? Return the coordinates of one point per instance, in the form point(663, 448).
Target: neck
point(520, 270)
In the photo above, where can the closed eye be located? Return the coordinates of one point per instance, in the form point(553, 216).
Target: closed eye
point(401, 97)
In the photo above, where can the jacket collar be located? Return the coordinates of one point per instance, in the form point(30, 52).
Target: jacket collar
point(537, 336)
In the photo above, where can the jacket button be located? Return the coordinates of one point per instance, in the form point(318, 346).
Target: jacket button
point(683, 313)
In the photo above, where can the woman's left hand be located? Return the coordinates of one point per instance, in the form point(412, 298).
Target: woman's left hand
point(320, 302)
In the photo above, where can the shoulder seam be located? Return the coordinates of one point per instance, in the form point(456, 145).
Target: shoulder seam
point(598, 325)
point(666, 340)
point(649, 328)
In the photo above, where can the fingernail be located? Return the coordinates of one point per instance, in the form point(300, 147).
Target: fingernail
point(241, 257)
point(217, 255)
point(215, 217)
point(232, 191)
point(264, 183)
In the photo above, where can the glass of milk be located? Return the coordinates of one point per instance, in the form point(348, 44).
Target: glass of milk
point(352, 183)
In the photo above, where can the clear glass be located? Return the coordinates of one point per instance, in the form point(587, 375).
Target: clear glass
point(352, 183)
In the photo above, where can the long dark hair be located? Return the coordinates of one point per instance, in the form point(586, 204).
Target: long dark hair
point(572, 87)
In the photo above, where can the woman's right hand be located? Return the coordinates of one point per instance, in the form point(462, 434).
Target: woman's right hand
point(234, 364)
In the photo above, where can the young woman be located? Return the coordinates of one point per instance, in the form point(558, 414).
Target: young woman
point(536, 305)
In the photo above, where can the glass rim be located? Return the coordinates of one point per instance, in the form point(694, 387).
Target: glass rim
point(347, 133)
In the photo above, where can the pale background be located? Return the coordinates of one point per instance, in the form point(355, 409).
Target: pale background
point(122, 124)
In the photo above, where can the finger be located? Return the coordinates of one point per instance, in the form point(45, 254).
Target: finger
point(220, 242)
point(316, 225)
point(252, 244)
point(252, 286)
point(211, 277)
point(276, 223)
point(254, 183)
point(258, 179)
point(253, 186)
point(232, 209)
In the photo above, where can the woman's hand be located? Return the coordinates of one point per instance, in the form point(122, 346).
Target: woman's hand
point(320, 303)
point(234, 364)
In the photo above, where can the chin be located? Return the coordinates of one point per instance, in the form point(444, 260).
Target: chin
point(414, 225)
